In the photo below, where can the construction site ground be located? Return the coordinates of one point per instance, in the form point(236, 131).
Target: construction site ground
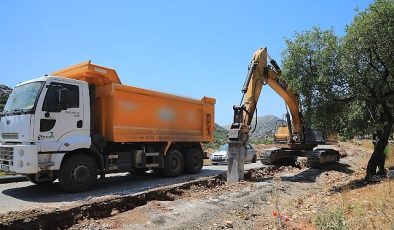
point(289, 197)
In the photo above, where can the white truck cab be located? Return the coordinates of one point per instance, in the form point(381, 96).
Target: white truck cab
point(42, 120)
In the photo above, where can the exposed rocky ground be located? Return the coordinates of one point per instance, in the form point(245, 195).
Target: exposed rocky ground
point(272, 198)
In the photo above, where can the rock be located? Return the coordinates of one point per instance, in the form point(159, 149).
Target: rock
point(390, 174)
point(114, 212)
point(228, 224)
point(159, 219)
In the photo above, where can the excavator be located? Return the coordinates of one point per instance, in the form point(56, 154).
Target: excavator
point(302, 141)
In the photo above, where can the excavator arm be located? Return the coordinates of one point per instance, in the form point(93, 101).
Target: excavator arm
point(262, 70)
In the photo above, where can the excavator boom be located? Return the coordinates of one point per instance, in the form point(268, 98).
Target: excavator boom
point(263, 70)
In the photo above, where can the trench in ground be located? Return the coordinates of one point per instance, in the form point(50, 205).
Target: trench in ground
point(63, 219)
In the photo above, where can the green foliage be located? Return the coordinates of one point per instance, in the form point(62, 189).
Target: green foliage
point(261, 141)
point(220, 136)
point(369, 61)
point(3, 100)
point(312, 69)
point(345, 84)
point(333, 220)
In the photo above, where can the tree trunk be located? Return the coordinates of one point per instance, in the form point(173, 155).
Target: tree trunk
point(378, 157)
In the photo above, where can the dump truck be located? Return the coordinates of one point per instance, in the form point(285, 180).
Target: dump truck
point(81, 122)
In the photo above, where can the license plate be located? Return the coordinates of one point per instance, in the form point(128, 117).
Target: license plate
point(5, 168)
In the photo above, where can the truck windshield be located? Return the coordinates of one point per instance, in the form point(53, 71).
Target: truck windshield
point(23, 97)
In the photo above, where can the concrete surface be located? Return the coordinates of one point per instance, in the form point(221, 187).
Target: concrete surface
point(25, 195)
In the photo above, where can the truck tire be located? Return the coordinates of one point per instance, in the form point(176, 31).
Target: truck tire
point(78, 173)
point(32, 179)
point(193, 161)
point(173, 163)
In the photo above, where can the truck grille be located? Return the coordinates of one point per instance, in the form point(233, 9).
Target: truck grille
point(10, 135)
point(6, 155)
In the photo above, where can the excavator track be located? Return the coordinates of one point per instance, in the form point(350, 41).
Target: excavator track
point(276, 155)
point(320, 157)
point(316, 158)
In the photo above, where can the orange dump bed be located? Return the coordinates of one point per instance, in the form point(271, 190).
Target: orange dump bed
point(130, 114)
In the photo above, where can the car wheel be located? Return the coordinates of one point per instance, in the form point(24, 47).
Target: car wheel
point(254, 159)
point(173, 163)
point(78, 173)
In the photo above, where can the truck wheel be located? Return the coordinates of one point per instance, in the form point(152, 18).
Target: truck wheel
point(173, 163)
point(78, 173)
point(32, 179)
point(193, 161)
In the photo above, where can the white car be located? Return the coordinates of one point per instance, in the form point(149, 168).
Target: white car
point(220, 156)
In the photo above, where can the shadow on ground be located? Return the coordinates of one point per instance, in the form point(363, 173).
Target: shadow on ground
point(310, 175)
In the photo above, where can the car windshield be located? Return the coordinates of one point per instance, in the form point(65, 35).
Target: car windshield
point(224, 147)
point(23, 97)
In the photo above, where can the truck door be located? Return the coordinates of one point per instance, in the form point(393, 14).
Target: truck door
point(58, 115)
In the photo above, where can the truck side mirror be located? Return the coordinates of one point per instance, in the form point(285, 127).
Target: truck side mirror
point(63, 99)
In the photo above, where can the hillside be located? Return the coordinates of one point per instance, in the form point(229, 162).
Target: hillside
point(4, 92)
point(265, 126)
point(220, 137)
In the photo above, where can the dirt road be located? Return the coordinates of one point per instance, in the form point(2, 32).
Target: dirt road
point(287, 197)
point(269, 198)
point(25, 195)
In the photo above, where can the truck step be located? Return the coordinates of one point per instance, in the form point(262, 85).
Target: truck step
point(152, 165)
point(112, 167)
point(154, 154)
point(113, 156)
point(45, 164)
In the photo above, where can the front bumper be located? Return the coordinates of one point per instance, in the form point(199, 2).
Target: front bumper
point(219, 160)
point(19, 158)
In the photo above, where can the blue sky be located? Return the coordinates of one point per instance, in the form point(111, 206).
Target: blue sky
point(189, 48)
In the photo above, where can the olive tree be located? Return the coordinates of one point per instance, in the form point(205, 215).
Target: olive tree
point(368, 58)
point(346, 84)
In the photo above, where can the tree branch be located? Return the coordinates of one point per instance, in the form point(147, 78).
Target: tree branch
point(390, 93)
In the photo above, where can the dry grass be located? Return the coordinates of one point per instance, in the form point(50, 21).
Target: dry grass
point(369, 207)
point(207, 162)
point(390, 158)
point(367, 144)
